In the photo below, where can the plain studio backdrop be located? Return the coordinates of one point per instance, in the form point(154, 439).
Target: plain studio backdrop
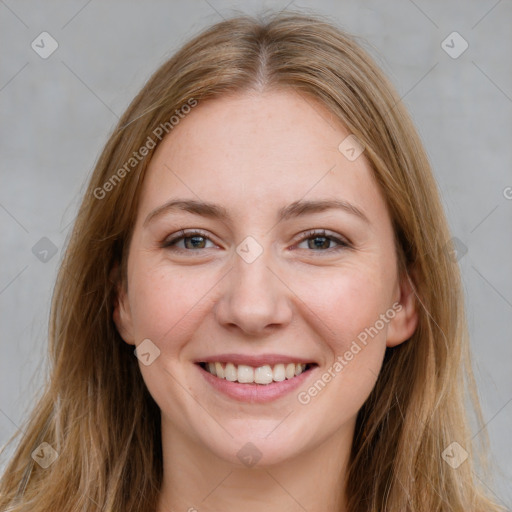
point(69, 69)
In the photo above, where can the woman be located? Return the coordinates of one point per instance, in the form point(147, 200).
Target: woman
point(257, 306)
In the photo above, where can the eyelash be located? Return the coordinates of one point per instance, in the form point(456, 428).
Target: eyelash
point(315, 233)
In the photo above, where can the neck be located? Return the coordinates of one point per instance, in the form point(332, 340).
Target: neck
point(195, 479)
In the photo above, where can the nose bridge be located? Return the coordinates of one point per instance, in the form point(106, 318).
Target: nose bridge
point(253, 298)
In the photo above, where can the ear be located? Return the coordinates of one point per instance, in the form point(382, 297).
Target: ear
point(122, 315)
point(405, 322)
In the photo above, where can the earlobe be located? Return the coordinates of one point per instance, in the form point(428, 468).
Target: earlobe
point(121, 313)
point(405, 322)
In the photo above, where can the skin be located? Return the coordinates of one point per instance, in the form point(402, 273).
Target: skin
point(254, 153)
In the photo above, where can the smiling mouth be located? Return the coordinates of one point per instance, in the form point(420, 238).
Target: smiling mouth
point(263, 375)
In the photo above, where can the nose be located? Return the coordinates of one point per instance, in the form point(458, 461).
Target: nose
point(254, 298)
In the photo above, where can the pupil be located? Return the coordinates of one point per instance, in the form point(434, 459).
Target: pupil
point(194, 240)
point(323, 244)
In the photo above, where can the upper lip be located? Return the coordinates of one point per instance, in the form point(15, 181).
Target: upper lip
point(254, 360)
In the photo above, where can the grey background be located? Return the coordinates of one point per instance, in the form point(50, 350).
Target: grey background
point(56, 114)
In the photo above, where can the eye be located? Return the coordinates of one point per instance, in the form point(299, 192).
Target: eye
point(320, 241)
point(192, 240)
point(317, 240)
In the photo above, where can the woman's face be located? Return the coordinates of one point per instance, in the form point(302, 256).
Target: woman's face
point(263, 280)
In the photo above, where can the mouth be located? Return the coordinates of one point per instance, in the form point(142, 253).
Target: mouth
point(262, 375)
point(255, 378)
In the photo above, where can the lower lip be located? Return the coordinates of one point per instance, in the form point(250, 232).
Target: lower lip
point(255, 393)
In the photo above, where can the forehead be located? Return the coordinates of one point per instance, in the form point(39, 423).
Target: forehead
point(258, 150)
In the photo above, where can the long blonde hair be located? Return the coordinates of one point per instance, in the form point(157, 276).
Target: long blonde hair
point(95, 410)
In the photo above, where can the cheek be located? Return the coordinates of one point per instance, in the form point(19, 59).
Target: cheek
point(346, 301)
point(348, 311)
point(165, 301)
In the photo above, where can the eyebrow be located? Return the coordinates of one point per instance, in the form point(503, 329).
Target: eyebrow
point(215, 211)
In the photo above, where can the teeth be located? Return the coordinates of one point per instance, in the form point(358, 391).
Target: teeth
point(230, 372)
point(279, 372)
point(245, 373)
point(219, 371)
point(262, 375)
point(290, 371)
